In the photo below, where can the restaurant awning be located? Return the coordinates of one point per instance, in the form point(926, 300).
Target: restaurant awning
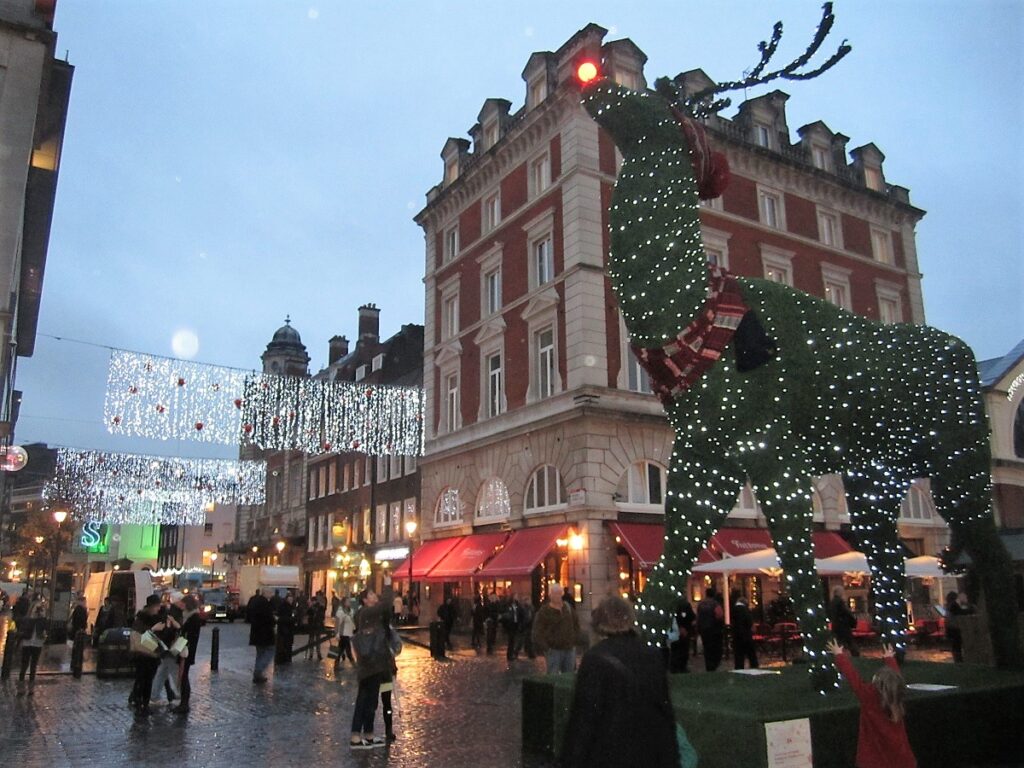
point(466, 557)
point(425, 557)
point(644, 541)
point(829, 544)
point(730, 542)
point(524, 551)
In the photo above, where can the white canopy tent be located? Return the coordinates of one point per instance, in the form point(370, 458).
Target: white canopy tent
point(763, 560)
point(923, 567)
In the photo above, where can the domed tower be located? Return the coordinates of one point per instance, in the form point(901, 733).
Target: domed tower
point(286, 354)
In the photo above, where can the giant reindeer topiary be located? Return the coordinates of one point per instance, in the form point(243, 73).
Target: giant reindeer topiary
point(766, 383)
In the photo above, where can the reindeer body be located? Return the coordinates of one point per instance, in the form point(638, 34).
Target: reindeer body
point(881, 404)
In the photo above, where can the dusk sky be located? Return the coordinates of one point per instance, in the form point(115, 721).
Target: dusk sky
point(230, 163)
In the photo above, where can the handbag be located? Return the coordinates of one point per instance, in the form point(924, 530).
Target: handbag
point(179, 647)
point(333, 651)
point(394, 641)
point(673, 632)
point(370, 643)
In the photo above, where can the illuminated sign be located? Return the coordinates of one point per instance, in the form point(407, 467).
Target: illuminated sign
point(391, 554)
point(95, 538)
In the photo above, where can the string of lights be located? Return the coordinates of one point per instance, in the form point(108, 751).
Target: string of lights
point(165, 398)
point(134, 488)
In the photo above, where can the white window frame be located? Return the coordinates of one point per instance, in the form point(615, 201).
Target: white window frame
point(312, 483)
point(540, 229)
point(836, 286)
point(544, 363)
point(771, 207)
point(777, 261)
point(452, 401)
point(448, 508)
point(451, 243)
point(542, 260)
point(377, 363)
point(493, 383)
point(634, 491)
point(491, 216)
point(539, 174)
point(821, 157)
point(395, 532)
point(396, 465)
point(881, 246)
point(490, 266)
point(383, 464)
point(448, 298)
point(716, 242)
point(762, 134)
point(361, 372)
point(890, 293)
point(493, 502)
point(380, 521)
point(918, 506)
point(532, 498)
point(830, 228)
point(632, 376)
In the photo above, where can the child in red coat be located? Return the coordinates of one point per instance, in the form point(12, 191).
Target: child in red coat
point(882, 737)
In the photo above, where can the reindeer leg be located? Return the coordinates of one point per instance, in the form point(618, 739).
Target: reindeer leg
point(786, 503)
point(874, 496)
point(703, 486)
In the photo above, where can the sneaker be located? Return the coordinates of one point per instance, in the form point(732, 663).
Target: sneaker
point(377, 741)
point(361, 744)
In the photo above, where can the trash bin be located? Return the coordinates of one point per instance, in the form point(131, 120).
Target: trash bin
point(113, 656)
point(437, 639)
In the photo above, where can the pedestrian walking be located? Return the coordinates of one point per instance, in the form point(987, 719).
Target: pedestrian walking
point(493, 611)
point(524, 637)
point(147, 658)
point(32, 630)
point(843, 621)
point(373, 665)
point(679, 649)
point(79, 620)
point(621, 713)
point(191, 626)
point(478, 616)
point(743, 648)
point(882, 733)
point(447, 613)
point(285, 630)
point(510, 620)
point(344, 628)
point(957, 605)
point(166, 676)
point(261, 620)
point(556, 629)
point(711, 627)
point(315, 621)
point(398, 608)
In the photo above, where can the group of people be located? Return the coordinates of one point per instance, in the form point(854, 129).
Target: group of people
point(708, 622)
point(275, 620)
point(165, 636)
point(512, 613)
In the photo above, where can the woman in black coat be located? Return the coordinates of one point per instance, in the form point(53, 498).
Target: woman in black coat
point(621, 714)
point(285, 630)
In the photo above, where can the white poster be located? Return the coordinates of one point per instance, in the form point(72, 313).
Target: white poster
point(789, 743)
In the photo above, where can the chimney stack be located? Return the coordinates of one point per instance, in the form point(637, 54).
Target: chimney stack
point(369, 324)
point(337, 349)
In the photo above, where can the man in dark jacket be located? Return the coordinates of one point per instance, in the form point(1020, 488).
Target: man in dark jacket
point(79, 620)
point(711, 626)
point(742, 632)
point(621, 714)
point(843, 621)
point(191, 625)
point(261, 619)
point(146, 663)
point(679, 650)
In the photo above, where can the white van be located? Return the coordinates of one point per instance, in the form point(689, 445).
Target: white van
point(127, 591)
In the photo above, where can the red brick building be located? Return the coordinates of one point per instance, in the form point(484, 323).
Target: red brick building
point(539, 423)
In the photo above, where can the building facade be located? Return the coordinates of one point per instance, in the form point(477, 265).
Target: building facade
point(541, 429)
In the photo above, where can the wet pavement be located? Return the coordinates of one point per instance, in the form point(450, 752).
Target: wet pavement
point(464, 712)
point(459, 713)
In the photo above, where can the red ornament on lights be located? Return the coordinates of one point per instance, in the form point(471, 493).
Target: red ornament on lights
point(238, 403)
point(181, 382)
point(199, 426)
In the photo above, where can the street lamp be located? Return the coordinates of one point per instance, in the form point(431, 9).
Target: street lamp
point(59, 515)
point(213, 563)
point(280, 548)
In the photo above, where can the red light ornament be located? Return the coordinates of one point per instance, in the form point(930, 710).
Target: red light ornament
point(586, 72)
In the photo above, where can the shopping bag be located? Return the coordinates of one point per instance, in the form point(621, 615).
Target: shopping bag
point(333, 651)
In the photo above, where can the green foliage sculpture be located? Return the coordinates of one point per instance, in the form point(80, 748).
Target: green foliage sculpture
point(831, 392)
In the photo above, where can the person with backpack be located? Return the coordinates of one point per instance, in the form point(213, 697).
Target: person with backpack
point(374, 666)
point(711, 627)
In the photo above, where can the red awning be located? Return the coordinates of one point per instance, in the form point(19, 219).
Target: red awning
point(738, 541)
point(425, 557)
point(644, 541)
point(829, 544)
point(524, 551)
point(467, 557)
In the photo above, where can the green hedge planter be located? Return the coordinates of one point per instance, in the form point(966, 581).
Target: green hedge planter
point(980, 723)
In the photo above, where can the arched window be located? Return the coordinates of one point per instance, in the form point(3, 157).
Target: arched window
point(918, 504)
point(1018, 431)
point(449, 509)
point(546, 490)
point(493, 503)
point(644, 484)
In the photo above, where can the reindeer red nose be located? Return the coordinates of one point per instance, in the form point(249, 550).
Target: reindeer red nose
point(586, 72)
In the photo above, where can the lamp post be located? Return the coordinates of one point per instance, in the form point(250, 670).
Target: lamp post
point(59, 516)
point(280, 548)
point(410, 529)
point(213, 564)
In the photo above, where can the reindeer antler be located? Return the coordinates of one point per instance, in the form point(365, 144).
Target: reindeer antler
point(699, 105)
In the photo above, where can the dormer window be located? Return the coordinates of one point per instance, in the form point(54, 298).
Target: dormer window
point(627, 78)
point(377, 362)
point(361, 372)
point(451, 170)
point(491, 134)
point(873, 179)
point(538, 91)
point(762, 135)
point(820, 158)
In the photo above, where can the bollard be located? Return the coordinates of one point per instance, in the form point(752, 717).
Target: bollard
point(9, 650)
point(78, 654)
point(215, 649)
